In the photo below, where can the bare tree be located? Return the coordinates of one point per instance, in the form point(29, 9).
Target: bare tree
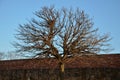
point(60, 33)
point(10, 55)
point(2, 55)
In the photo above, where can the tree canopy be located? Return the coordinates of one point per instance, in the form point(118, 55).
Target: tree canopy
point(60, 33)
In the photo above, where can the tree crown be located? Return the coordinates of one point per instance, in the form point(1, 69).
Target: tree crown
point(60, 33)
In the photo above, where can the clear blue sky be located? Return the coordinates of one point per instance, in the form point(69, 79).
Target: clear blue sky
point(105, 14)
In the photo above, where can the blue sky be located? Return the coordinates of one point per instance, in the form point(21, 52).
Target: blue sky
point(105, 15)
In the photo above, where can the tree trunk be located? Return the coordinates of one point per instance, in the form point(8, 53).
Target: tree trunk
point(61, 71)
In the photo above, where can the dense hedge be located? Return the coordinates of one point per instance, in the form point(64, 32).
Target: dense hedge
point(70, 74)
